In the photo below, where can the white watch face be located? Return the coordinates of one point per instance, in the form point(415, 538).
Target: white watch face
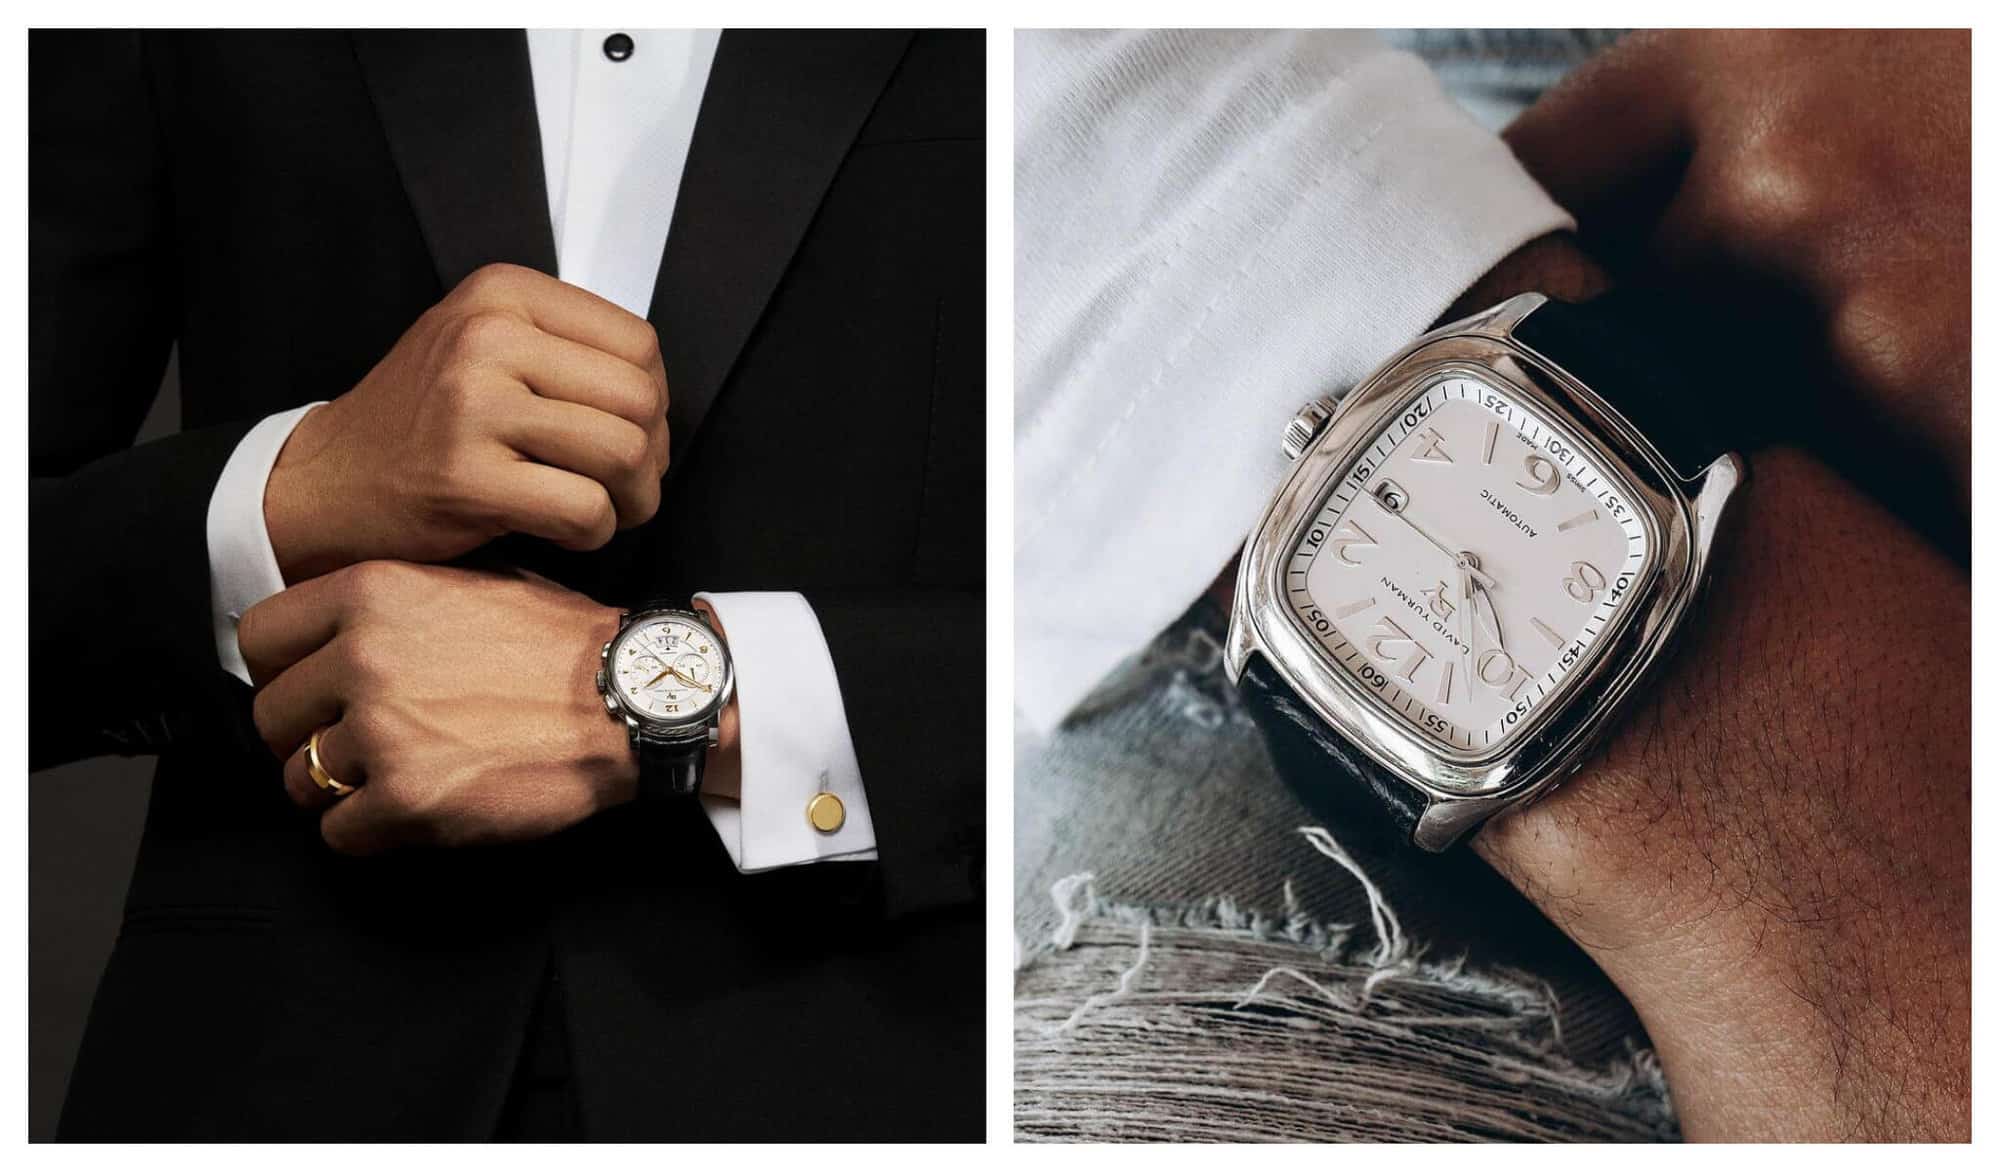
point(1467, 564)
point(669, 669)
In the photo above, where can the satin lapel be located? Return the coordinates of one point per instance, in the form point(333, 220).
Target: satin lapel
point(781, 110)
point(458, 108)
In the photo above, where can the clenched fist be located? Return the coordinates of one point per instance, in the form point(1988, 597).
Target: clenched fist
point(518, 404)
point(1834, 163)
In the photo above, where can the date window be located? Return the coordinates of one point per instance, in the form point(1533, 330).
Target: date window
point(1390, 495)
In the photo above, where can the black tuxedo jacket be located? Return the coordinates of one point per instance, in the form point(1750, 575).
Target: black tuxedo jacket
point(282, 206)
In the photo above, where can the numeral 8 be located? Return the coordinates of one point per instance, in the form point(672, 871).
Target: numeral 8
point(1584, 583)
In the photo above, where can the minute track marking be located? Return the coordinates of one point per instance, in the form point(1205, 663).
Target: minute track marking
point(1441, 419)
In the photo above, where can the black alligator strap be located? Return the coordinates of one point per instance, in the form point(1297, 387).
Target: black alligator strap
point(1629, 347)
point(670, 771)
point(1335, 780)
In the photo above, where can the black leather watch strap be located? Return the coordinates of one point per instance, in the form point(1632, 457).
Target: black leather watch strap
point(1619, 346)
point(1334, 779)
point(670, 771)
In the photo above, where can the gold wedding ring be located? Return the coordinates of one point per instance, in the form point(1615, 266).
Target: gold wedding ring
point(318, 773)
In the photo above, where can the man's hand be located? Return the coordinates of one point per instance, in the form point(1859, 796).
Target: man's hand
point(1834, 164)
point(460, 702)
point(517, 404)
point(1772, 856)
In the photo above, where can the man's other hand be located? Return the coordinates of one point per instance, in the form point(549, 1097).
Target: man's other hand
point(1833, 165)
point(518, 404)
point(460, 703)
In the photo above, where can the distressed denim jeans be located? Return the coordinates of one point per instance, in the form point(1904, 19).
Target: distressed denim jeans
point(1198, 960)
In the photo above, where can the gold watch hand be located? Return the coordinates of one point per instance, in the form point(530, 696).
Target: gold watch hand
point(679, 674)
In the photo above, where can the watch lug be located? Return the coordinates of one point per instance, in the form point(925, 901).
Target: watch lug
point(1499, 321)
point(1716, 487)
point(1446, 820)
point(1241, 641)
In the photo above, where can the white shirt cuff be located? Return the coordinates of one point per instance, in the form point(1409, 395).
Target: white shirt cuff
point(1212, 228)
point(242, 567)
point(792, 735)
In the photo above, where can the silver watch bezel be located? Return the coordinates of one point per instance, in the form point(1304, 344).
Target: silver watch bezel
point(698, 727)
point(1681, 515)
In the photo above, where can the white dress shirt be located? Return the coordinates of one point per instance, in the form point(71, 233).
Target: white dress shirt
point(1211, 228)
point(615, 137)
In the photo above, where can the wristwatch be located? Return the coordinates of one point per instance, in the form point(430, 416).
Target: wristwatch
point(1480, 552)
point(667, 675)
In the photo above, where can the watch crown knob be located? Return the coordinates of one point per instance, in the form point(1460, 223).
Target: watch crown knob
point(1306, 426)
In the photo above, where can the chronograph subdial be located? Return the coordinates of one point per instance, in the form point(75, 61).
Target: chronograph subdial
point(693, 671)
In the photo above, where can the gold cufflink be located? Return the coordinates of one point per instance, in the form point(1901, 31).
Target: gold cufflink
point(826, 813)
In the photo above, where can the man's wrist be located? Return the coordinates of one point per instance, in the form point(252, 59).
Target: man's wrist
point(300, 528)
point(608, 758)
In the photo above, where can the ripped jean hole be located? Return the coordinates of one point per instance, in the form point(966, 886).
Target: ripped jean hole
point(1213, 1023)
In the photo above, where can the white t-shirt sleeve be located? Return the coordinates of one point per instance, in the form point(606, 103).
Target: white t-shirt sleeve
point(242, 568)
point(1211, 228)
point(792, 735)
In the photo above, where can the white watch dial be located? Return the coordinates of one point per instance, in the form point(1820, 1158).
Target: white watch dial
point(1467, 564)
point(669, 669)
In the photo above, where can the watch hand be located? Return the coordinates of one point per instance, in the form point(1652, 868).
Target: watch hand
point(1457, 556)
point(1465, 609)
point(656, 679)
point(1492, 616)
point(691, 681)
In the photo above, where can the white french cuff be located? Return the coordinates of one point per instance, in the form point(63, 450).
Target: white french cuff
point(242, 566)
point(792, 736)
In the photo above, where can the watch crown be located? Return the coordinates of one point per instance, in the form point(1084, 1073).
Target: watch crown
point(1306, 425)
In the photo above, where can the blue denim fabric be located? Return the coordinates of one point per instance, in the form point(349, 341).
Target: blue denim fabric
point(1160, 790)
